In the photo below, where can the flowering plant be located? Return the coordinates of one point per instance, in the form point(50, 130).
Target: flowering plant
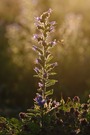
point(44, 66)
point(43, 104)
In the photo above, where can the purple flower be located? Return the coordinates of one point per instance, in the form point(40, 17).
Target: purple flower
point(53, 23)
point(76, 99)
point(40, 84)
point(39, 100)
point(54, 64)
point(38, 18)
point(36, 70)
point(34, 48)
point(55, 104)
point(51, 29)
point(41, 103)
point(52, 43)
point(38, 38)
point(38, 61)
point(35, 36)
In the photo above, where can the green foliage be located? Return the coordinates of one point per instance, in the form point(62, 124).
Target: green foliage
point(9, 126)
point(71, 117)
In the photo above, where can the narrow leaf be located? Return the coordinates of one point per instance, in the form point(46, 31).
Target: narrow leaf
point(33, 110)
point(48, 66)
point(35, 48)
point(50, 82)
point(49, 58)
point(53, 73)
point(49, 92)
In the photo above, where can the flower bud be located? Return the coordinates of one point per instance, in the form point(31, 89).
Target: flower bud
point(38, 38)
point(22, 115)
point(76, 99)
point(52, 43)
point(36, 70)
point(38, 61)
point(35, 36)
point(38, 18)
point(40, 84)
point(53, 23)
point(54, 65)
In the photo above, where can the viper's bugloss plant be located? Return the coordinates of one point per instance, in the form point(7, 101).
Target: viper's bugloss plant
point(44, 66)
point(43, 103)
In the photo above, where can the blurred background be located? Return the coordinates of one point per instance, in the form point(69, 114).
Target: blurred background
point(17, 59)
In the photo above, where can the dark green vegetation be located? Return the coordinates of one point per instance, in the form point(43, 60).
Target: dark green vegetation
point(69, 118)
point(17, 85)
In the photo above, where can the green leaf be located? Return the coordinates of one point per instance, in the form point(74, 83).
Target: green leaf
point(39, 90)
point(49, 58)
point(48, 66)
point(50, 82)
point(33, 110)
point(38, 76)
point(53, 73)
point(49, 92)
point(52, 65)
point(42, 58)
point(35, 48)
point(31, 114)
point(49, 70)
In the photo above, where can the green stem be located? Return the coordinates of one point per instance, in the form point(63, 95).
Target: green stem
point(44, 82)
point(44, 70)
